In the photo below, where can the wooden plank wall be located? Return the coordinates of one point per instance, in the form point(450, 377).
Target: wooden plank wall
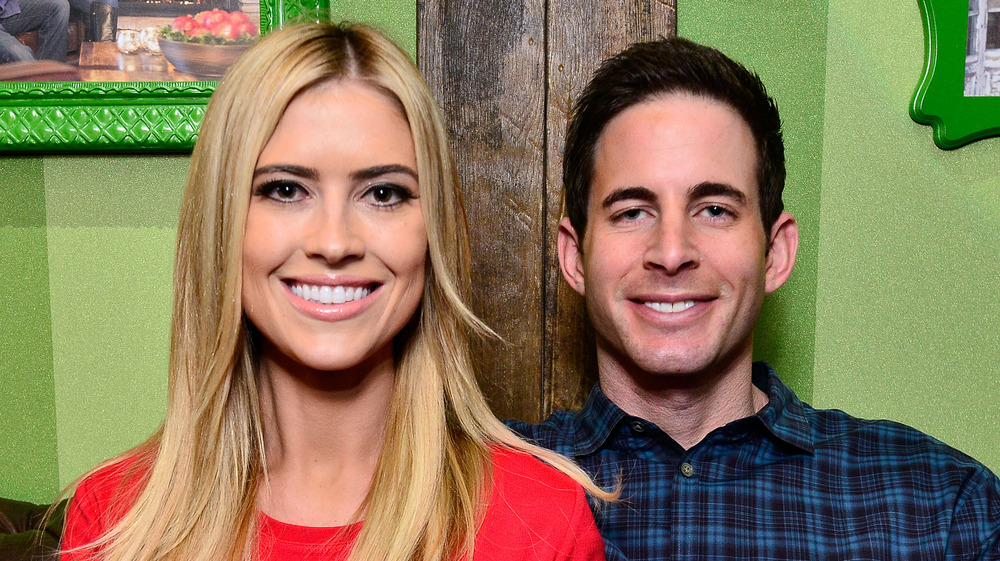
point(505, 73)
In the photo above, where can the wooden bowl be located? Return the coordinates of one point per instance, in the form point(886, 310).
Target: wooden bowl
point(204, 61)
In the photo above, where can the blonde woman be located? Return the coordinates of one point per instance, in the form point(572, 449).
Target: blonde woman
point(321, 402)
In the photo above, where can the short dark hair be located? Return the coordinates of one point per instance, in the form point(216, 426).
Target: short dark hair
point(648, 70)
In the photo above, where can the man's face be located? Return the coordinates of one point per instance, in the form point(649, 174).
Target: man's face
point(674, 262)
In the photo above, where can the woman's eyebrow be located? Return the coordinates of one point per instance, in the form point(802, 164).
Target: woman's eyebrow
point(376, 171)
point(301, 171)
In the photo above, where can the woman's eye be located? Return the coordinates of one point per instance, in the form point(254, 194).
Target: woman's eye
point(388, 195)
point(282, 191)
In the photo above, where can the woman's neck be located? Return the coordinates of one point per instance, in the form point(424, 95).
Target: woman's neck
point(323, 435)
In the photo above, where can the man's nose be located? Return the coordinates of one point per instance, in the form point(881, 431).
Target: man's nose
point(672, 247)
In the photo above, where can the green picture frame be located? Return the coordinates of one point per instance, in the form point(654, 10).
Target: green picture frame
point(940, 100)
point(98, 117)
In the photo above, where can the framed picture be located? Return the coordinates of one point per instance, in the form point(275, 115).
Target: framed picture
point(959, 93)
point(129, 102)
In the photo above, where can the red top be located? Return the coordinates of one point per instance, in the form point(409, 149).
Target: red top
point(535, 512)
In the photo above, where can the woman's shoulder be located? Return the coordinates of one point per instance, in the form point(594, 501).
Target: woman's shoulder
point(535, 512)
point(119, 478)
point(518, 469)
point(102, 498)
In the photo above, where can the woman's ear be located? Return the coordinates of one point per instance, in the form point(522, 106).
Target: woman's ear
point(782, 249)
point(570, 256)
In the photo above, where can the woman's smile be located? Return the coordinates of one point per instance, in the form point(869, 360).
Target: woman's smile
point(335, 245)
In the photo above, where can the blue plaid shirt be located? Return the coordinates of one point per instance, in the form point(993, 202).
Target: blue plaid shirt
point(790, 482)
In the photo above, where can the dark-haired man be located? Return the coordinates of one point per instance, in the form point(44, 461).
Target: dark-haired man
point(674, 168)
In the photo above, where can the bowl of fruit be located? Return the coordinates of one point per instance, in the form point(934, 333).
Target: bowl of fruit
point(208, 42)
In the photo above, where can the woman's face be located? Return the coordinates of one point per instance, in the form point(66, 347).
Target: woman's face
point(333, 258)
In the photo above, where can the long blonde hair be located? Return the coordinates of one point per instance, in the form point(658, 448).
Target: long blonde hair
point(202, 467)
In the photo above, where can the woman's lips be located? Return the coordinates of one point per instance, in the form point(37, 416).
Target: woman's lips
point(331, 302)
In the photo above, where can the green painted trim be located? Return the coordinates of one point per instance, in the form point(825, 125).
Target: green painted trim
point(940, 100)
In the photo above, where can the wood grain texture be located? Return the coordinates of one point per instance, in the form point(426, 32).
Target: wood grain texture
point(484, 60)
point(505, 72)
point(581, 34)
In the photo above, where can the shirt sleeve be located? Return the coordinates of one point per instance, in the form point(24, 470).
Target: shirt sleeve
point(975, 531)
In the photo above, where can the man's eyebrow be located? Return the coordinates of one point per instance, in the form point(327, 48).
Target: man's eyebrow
point(712, 189)
point(628, 194)
point(301, 171)
point(376, 171)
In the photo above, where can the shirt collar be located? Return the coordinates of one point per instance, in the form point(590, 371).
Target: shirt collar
point(595, 423)
point(784, 416)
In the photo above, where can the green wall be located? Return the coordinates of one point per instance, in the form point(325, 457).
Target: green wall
point(889, 313)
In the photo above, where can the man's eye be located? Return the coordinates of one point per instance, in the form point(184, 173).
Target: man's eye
point(716, 211)
point(630, 214)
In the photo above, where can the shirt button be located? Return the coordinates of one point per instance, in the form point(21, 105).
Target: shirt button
point(687, 470)
point(637, 426)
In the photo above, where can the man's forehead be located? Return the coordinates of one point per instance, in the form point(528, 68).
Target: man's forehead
point(695, 143)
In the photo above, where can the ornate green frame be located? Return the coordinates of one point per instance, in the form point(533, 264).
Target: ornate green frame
point(939, 100)
point(61, 117)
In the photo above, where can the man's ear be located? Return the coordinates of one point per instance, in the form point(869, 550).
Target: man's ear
point(784, 246)
point(571, 256)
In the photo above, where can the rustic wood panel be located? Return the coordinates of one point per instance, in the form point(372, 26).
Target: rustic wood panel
point(505, 81)
point(580, 35)
point(485, 62)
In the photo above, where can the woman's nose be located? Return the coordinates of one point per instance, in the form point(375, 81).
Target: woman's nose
point(672, 248)
point(335, 235)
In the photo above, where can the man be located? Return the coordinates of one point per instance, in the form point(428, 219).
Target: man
point(674, 168)
point(49, 17)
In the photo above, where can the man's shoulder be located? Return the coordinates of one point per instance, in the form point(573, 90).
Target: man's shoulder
point(557, 432)
point(889, 446)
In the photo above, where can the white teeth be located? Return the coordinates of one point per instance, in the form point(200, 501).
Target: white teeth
point(326, 295)
point(670, 308)
point(329, 294)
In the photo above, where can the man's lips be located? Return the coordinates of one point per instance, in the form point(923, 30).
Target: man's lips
point(671, 304)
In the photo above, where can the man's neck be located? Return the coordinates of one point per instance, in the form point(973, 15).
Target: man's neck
point(685, 407)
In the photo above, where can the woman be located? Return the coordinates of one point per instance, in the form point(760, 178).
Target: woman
point(321, 400)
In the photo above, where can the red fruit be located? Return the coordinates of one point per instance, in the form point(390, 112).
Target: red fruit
point(238, 17)
point(182, 24)
point(198, 31)
point(225, 30)
point(246, 27)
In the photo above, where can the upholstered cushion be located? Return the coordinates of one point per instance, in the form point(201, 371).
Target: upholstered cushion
point(21, 539)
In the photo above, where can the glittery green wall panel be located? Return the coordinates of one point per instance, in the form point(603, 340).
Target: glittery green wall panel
point(907, 309)
point(28, 460)
point(111, 231)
